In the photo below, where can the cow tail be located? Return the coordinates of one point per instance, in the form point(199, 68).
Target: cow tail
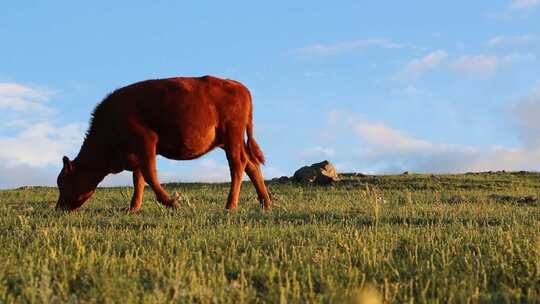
point(255, 152)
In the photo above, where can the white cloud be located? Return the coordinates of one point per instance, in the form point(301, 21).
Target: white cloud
point(518, 58)
point(487, 65)
point(524, 38)
point(23, 175)
point(32, 142)
point(476, 64)
point(21, 98)
point(317, 152)
point(271, 172)
point(524, 4)
point(209, 170)
point(526, 113)
point(496, 40)
point(500, 40)
point(516, 10)
point(381, 148)
point(205, 169)
point(408, 91)
point(417, 67)
point(41, 144)
point(383, 139)
point(411, 90)
point(336, 48)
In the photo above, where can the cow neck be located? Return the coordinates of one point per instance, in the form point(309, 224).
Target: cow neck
point(92, 159)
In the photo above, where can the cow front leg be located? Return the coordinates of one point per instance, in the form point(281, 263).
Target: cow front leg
point(149, 172)
point(138, 190)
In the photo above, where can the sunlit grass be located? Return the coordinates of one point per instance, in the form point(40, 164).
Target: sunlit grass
point(403, 238)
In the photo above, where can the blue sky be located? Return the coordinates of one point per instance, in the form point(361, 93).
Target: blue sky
point(373, 86)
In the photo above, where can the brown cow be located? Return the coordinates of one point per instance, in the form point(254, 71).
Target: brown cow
point(179, 118)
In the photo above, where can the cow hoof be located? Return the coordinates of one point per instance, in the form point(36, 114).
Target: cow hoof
point(174, 202)
point(172, 206)
point(131, 210)
point(265, 205)
point(230, 207)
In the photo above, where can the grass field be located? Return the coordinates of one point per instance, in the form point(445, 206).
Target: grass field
point(416, 239)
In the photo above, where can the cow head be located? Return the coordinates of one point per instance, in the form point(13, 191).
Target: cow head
point(74, 187)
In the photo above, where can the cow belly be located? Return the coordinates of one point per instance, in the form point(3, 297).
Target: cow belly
point(187, 146)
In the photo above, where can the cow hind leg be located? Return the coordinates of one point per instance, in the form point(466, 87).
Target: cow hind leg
point(237, 158)
point(253, 170)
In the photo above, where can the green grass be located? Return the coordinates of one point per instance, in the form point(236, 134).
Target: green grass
point(417, 238)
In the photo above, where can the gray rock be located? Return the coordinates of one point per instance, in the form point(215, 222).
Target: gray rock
point(322, 173)
point(283, 179)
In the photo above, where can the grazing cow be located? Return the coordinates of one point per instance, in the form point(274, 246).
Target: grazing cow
point(179, 118)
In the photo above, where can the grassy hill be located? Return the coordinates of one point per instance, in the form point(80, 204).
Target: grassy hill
point(415, 238)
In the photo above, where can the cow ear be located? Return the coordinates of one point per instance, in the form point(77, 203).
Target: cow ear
point(68, 166)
